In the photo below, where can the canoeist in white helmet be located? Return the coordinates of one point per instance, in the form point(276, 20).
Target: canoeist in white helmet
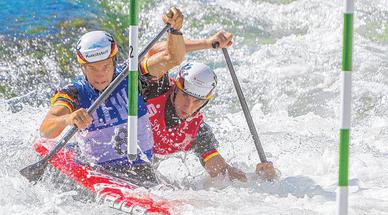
point(174, 103)
point(99, 145)
point(103, 144)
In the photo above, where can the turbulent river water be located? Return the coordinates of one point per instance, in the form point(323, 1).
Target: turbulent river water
point(287, 55)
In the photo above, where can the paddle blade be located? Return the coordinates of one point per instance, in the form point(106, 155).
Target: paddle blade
point(34, 172)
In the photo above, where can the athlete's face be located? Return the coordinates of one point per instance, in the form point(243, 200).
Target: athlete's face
point(99, 74)
point(186, 105)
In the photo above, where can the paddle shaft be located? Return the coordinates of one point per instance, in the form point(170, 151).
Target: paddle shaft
point(69, 133)
point(244, 106)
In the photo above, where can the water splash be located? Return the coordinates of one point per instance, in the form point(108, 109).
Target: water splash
point(287, 57)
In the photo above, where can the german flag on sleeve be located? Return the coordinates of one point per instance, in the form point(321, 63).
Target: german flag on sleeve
point(209, 155)
point(63, 99)
point(144, 67)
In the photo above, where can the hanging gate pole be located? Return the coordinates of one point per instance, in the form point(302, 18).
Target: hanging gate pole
point(346, 94)
point(132, 80)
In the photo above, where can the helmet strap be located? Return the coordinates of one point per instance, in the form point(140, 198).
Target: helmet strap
point(202, 106)
point(83, 71)
point(114, 61)
point(174, 95)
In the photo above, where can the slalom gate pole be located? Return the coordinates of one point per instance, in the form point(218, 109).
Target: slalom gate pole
point(132, 80)
point(346, 94)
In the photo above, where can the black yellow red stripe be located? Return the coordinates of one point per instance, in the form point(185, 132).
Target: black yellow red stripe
point(113, 49)
point(63, 99)
point(61, 95)
point(144, 67)
point(65, 104)
point(80, 58)
point(211, 154)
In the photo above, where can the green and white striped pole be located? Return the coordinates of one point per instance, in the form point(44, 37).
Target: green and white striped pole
point(346, 94)
point(132, 80)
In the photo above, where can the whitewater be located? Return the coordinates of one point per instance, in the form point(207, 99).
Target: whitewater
point(287, 56)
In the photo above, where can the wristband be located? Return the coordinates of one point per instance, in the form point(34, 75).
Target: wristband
point(173, 31)
point(144, 67)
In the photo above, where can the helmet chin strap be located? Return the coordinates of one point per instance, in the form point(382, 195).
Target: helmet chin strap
point(174, 98)
point(202, 106)
point(114, 61)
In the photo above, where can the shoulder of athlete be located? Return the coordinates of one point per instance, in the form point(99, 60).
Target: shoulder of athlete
point(204, 139)
point(154, 88)
point(67, 96)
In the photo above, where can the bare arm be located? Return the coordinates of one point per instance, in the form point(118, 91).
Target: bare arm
point(54, 122)
point(205, 147)
point(223, 38)
point(164, 56)
point(58, 117)
point(217, 165)
point(196, 45)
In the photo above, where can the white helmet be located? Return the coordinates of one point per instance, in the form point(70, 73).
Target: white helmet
point(197, 80)
point(95, 46)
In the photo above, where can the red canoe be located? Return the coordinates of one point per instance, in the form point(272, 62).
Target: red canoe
point(113, 191)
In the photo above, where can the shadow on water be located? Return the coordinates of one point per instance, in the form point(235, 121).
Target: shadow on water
point(298, 186)
point(301, 187)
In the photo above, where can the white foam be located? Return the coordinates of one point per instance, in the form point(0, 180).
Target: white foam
point(292, 86)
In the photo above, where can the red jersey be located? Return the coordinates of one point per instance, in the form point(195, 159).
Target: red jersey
point(175, 139)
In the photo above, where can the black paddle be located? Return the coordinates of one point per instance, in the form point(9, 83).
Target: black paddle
point(35, 171)
point(243, 103)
